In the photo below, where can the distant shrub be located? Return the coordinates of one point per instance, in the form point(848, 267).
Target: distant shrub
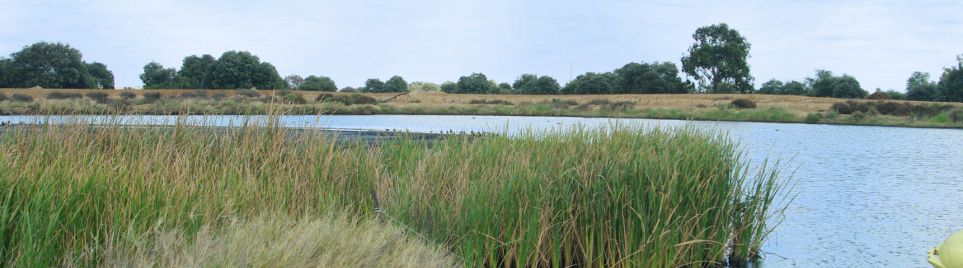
point(956, 115)
point(127, 95)
point(291, 97)
point(858, 116)
point(248, 93)
point(813, 118)
point(21, 97)
point(63, 95)
point(362, 99)
point(99, 97)
point(323, 97)
point(3, 96)
point(486, 101)
point(151, 97)
point(743, 103)
point(892, 108)
point(218, 95)
point(879, 95)
point(349, 90)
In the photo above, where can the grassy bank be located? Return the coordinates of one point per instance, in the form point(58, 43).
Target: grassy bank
point(613, 197)
point(710, 107)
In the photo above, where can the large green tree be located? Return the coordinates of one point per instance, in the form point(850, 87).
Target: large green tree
point(718, 60)
point(242, 70)
point(396, 84)
point(656, 77)
point(777, 87)
point(318, 83)
point(374, 85)
point(919, 87)
point(825, 84)
point(52, 65)
point(195, 72)
point(533, 84)
point(476, 83)
point(4, 72)
point(155, 76)
point(951, 82)
point(100, 76)
point(591, 83)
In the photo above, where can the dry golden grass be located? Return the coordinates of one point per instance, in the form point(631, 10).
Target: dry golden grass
point(799, 105)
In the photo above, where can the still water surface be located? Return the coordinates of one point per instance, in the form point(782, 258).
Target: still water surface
point(864, 196)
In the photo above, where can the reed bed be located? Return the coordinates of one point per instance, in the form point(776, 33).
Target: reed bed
point(76, 195)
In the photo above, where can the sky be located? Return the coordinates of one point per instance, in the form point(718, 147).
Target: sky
point(879, 42)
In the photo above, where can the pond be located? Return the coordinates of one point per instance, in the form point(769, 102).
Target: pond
point(864, 196)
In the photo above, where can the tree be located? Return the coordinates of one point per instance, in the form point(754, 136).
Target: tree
point(919, 87)
point(525, 83)
point(794, 88)
point(374, 85)
point(195, 72)
point(156, 76)
point(49, 65)
point(241, 70)
point(294, 80)
point(591, 83)
point(717, 60)
point(319, 83)
point(476, 83)
point(848, 87)
point(533, 84)
point(951, 82)
point(448, 87)
point(101, 77)
point(772, 86)
point(777, 87)
point(649, 78)
point(504, 88)
point(4, 70)
point(823, 84)
point(396, 84)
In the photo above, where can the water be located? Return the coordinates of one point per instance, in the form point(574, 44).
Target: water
point(865, 196)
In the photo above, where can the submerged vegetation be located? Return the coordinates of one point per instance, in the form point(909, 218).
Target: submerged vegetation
point(76, 195)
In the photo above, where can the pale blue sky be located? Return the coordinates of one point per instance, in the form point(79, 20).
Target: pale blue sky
point(878, 42)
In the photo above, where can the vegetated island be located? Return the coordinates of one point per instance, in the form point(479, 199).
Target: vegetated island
point(708, 107)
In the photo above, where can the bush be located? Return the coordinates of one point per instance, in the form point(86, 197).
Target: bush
point(291, 97)
point(743, 104)
point(197, 94)
point(813, 118)
point(127, 95)
point(858, 116)
point(22, 98)
point(842, 108)
point(151, 97)
point(956, 115)
point(323, 97)
point(3, 96)
point(63, 95)
point(363, 99)
point(218, 95)
point(99, 97)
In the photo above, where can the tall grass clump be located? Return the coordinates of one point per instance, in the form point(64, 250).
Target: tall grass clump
point(81, 195)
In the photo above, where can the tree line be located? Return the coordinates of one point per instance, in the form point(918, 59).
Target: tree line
point(716, 62)
point(53, 65)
